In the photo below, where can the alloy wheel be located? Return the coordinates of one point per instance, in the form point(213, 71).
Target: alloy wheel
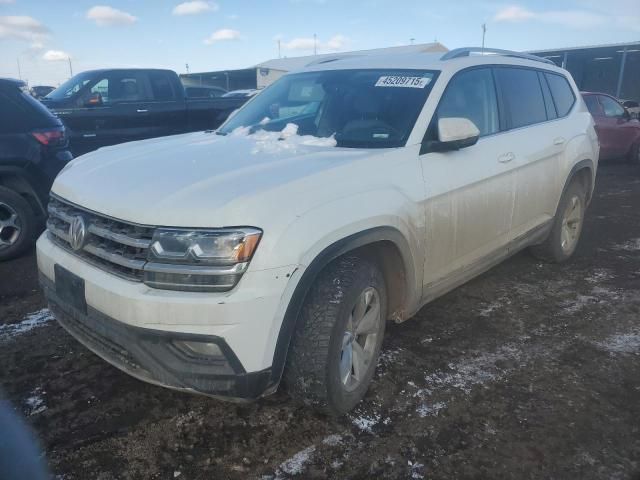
point(10, 226)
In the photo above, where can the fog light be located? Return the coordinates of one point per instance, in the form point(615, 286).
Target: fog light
point(198, 349)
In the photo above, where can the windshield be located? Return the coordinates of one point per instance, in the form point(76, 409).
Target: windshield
point(360, 108)
point(71, 86)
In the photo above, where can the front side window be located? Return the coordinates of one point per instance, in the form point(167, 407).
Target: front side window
point(611, 107)
point(523, 97)
point(362, 108)
point(472, 95)
point(71, 86)
point(562, 93)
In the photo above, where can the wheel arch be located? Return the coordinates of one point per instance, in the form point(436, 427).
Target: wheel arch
point(387, 247)
point(584, 172)
point(20, 182)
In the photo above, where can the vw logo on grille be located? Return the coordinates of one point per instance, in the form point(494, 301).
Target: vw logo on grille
point(77, 233)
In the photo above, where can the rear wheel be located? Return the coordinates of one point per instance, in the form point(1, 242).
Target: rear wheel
point(336, 345)
point(17, 224)
point(567, 226)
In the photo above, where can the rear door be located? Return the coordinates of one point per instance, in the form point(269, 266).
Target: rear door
point(537, 139)
point(166, 109)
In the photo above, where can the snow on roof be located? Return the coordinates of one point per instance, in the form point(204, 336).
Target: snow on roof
point(297, 63)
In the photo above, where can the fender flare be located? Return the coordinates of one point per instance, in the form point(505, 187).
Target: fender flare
point(581, 165)
point(326, 256)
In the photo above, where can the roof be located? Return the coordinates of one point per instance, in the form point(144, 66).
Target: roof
point(297, 63)
point(12, 82)
point(455, 60)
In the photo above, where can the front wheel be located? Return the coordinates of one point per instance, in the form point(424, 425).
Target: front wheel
point(567, 226)
point(337, 342)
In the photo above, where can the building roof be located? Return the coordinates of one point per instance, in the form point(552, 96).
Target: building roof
point(587, 47)
point(288, 64)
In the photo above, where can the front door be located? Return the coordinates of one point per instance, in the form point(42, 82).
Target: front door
point(470, 192)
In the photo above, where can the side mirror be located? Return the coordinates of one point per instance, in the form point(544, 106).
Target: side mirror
point(94, 100)
point(455, 133)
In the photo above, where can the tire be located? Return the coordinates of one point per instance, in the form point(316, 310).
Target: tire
point(323, 367)
point(17, 224)
point(567, 226)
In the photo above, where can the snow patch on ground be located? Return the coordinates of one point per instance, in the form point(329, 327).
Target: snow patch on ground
point(333, 440)
point(630, 246)
point(599, 275)
point(427, 410)
point(388, 357)
point(296, 464)
point(31, 321)
point(285, 140)
point(35, 402)
point(366, 422)
point(485, 312)
point(622, 343)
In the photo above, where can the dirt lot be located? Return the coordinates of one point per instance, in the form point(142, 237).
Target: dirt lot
point(531, 371)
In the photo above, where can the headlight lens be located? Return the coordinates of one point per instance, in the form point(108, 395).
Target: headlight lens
point(200, 260)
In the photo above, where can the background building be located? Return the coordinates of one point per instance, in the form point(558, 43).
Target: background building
point(612, 69)
point(265, 73)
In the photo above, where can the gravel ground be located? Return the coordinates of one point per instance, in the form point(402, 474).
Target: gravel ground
point(530, 371)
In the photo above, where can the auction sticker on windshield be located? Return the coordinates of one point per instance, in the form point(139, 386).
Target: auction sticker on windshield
point(404, 82)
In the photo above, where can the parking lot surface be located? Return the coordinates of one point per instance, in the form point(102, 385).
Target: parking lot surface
point(529, 371)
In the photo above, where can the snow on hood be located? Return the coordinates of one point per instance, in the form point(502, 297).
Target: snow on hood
point(201, 179)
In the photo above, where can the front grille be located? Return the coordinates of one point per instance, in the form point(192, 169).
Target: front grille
point(113, 245)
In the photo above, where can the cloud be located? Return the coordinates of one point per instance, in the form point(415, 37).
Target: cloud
point(22, 28)
point(104, 15)
point(223, 35)
point(567, 18)
point(195, 7)
point(55, 56)
point(335, 43)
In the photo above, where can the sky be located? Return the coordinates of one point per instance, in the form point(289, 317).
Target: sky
point(41, 35)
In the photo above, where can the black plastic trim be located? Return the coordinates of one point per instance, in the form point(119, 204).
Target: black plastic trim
point(325, 257)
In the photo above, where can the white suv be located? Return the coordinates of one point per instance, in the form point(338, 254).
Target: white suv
point(345, 195)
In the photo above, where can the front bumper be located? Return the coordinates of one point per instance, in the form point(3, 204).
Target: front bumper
point(151, 355)
point(134, 327)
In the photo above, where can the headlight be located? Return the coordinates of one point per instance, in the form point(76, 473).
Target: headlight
point(200, 260)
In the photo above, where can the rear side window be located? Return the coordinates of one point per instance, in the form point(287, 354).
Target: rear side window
point(592, 104)
point(562, 93)
point(161, 86)
point(548, 101)
point(472, 95)
point(522, 95)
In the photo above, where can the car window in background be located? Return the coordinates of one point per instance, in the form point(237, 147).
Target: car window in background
point(161, 86)
point(71, 86)
point(369, 108)
point(101, 88)
point(593, 105)
point(472, 95)
point(562, 93)
point(611, 107)
point(523, 96)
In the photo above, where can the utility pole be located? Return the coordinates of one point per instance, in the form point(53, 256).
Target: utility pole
point(411, 40)
point(186, 65)
point(70, 67)
point(315, 44)
point(19, 71)
point(484, 32)
point(279, 54)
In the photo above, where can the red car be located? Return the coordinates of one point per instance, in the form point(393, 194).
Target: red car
point(618, 133)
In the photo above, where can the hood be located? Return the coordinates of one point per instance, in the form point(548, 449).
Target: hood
point(197, 179)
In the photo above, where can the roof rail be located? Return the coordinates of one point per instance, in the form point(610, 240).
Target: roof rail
point(467, 51)
point(328, 58)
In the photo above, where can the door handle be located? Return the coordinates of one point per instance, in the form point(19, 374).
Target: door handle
point(88, 135)
point(506, 157)
point(142, 111)
point(559, 141)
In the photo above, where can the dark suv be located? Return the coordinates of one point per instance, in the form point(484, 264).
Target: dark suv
point(33, 149)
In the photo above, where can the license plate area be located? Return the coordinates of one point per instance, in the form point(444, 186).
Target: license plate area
point(70, 289)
